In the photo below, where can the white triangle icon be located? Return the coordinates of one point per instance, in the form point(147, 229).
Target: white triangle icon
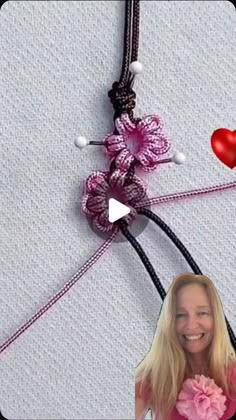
point(116, 210)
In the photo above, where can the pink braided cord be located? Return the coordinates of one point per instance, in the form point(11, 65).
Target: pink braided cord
point(178, 196)
point(95, 257)
point(100, 251)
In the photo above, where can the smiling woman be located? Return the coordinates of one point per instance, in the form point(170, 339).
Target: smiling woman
point(194, 324)
point(191, 350)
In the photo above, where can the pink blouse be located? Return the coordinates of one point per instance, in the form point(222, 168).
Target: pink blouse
point(146, 396)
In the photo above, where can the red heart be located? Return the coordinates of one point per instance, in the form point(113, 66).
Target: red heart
point(223, 143)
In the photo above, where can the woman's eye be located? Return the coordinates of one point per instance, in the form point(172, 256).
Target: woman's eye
point(200, 313)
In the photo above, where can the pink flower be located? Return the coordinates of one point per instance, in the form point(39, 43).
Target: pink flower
point(150, 142)
point(100, 186)
point(201, 399)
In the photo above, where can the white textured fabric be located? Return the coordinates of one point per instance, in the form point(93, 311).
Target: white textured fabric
point(58, 61)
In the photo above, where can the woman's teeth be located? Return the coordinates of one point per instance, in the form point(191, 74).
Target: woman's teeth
point(193, 337)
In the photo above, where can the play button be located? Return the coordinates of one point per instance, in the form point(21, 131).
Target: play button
point(116, 210)
point(108, 205)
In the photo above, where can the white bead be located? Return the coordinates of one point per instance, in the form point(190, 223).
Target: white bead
point(136, 67)
point(81, 142)
point(178, 158)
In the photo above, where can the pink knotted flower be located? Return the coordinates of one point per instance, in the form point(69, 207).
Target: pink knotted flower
point(151, 142)
point(201, 399)
point(100, 186)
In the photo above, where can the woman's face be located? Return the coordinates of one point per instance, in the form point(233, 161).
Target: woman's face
point(194, 318)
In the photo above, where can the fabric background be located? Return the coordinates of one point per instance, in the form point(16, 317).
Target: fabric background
point(58, 61)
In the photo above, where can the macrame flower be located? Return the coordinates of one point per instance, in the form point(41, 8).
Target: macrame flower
point(201, 399)
point(150, 142)
point(101, 186)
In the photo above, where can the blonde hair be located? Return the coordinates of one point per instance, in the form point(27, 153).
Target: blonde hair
point(165, 364)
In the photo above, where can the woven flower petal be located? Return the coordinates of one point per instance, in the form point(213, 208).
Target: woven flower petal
point(149, 156)
point(143, 159)
point(150, 124)
point(114, 143)
point(131, 193)
point(101, 222)
point(134, 192)
point(157, 134)
point(96, 182)
point(152, 156)
point(84, 205)
point(96, 204)
point(124, 160)
point(123, 125)
point(159, 143)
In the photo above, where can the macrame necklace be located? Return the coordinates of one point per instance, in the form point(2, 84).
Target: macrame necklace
point(121, 178)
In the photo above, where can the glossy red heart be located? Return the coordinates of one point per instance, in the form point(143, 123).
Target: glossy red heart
point(223, 143)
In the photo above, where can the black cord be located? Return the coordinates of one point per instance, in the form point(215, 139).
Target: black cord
point(122, 95)
point(133, 241)
point(148, 213)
